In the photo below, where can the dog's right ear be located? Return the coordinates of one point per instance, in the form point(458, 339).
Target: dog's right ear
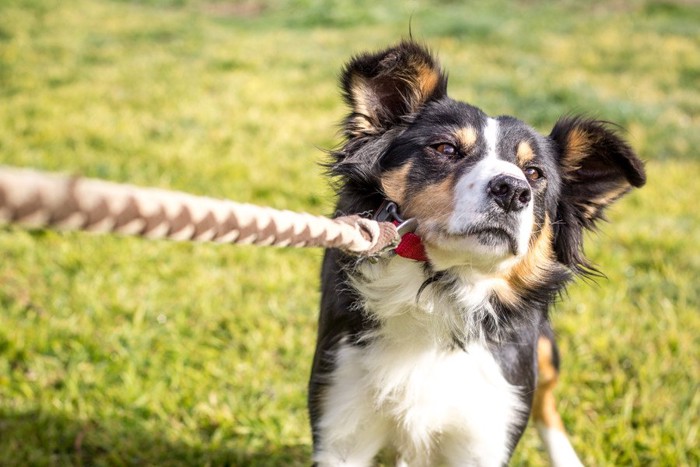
point(384, 87)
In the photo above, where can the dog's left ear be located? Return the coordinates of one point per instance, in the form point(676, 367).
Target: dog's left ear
point(597, 168)
point(382, 88)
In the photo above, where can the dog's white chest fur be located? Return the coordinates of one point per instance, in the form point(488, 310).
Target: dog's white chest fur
point(410, 388)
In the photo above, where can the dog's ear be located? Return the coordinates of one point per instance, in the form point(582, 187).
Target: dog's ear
point(597, 168)
point(384, 87)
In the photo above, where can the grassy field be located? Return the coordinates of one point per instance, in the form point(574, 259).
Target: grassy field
point(119, 351)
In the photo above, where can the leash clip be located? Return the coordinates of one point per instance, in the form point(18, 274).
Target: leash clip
point(389, 212)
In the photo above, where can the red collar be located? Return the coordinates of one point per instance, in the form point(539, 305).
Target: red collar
point(410, 246)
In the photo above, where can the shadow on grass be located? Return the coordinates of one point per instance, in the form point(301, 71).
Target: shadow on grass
point(37, 438)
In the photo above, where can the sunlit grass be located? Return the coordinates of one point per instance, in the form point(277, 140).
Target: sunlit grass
point(124, 351)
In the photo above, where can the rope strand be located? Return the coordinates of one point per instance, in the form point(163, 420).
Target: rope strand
point(37, 199)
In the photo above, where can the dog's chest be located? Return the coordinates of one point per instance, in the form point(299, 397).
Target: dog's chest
point(426, 401)
point(410, 386)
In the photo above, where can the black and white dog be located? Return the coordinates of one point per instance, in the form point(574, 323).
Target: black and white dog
point(442, 351)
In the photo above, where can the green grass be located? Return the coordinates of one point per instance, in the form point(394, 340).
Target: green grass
point(121, 351)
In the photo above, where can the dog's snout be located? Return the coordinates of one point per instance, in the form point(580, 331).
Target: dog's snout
point(510, 193)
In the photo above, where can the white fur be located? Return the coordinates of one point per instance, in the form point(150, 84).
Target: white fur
point(491, 137)
point(558, 446)
point(409, 386)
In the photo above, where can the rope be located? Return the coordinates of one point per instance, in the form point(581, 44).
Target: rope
point(40, 200)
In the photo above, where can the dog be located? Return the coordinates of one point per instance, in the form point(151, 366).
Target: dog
point(442, 349)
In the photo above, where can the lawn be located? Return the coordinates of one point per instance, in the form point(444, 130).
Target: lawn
point(121, 351)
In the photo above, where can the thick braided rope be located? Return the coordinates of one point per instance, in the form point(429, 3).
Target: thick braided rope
point(41, 200)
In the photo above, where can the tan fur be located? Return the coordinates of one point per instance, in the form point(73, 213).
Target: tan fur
point(394, 183)
point(360, 95)
point(467, 137)
point(578, 145)
point(428, 79)
point(524, 153)
point(531, 269)
point(544, 408)
point(433, 203)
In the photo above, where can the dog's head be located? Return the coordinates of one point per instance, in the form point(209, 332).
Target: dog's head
point(489, 193)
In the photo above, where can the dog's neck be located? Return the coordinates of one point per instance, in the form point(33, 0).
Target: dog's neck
point(446, 308)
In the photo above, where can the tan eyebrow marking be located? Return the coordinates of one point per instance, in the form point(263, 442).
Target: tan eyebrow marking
point(467, 137)
point(524, 153)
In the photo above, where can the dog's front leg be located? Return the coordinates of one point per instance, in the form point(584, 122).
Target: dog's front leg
point(350, 430)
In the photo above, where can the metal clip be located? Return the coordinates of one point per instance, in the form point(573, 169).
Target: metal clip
point(409, 225)
point(389, 212)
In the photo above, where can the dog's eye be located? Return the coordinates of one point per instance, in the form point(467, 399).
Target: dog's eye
point(446, 149)
point(533, 173)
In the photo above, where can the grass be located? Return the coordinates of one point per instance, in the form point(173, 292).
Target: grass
point(121, 351)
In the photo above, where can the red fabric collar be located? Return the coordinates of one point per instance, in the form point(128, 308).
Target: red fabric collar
point(411, 247)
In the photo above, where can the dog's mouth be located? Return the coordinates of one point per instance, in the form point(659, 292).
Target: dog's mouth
point(493, 237)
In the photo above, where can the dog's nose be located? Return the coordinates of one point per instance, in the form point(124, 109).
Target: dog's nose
point(510, 193)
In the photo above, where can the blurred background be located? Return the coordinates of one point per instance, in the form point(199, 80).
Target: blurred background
point(124, 351)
